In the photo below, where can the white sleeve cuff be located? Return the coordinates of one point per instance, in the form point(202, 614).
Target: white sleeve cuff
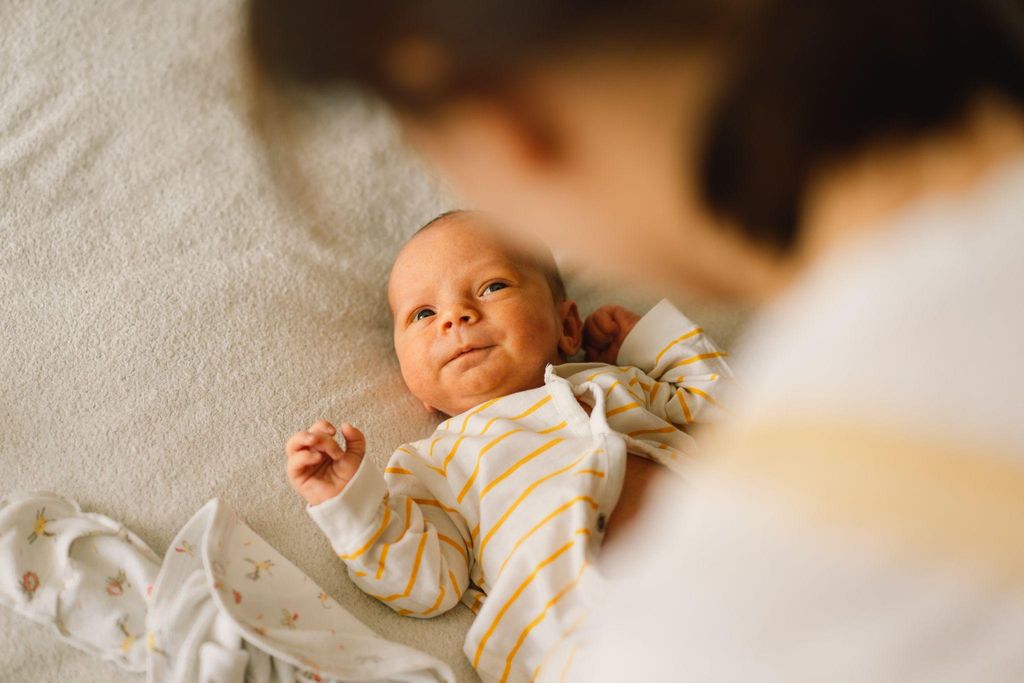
point(350, 516)
point(652, 334)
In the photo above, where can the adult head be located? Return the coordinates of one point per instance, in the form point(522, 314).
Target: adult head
point(681, 141)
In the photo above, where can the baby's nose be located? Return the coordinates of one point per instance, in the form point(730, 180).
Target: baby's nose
point(463, 316)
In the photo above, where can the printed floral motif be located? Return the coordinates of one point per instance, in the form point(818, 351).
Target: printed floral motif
point(237, 596)
point(257, 567)
point(128, 639)
point(29, 584)
point(186, 548)
point(39, 529)
point(325, 600)
point(152, 646)
point(116, 584)
point(288, 619)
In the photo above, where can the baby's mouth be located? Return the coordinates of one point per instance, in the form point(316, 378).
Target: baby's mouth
point(468, 352)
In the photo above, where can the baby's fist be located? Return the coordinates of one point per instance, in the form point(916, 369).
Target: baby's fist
point(318, 468)
point(604, 331)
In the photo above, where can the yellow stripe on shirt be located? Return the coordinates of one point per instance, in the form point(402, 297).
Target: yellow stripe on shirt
point(547, 518)
point(622, 409)
point(373, 539)
point(476, 468)
point(539, 618)
point(522, 496)
point(699, 357)
point(501, 477)
point(692, 333)
point(515, 596)
point(412, 578)
point(520, 416)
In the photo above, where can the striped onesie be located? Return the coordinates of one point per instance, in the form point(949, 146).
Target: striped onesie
point(504, 506)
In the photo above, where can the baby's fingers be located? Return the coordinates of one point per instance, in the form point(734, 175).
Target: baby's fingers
point(301, 460)
point(299, 440)
point(355, 442)
point(323, 427)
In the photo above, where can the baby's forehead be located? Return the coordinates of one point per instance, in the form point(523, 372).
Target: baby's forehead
point(455, 246)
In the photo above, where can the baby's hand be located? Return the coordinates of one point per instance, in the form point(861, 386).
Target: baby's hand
point(605, 330)
point(317, 467)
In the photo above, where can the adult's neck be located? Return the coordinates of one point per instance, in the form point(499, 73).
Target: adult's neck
point(858, 196)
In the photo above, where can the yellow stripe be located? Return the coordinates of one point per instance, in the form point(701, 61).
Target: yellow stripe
point(479, 457)
point(698, 357)
point(539, 618)
point(480, 408)
point(704, 395)
point(609, 389)
point(406, 451)
point(387, 546)
point(568, 663)
point(412, 578)
point(396, 470)
point(662, 430)
point(373, 539)
point(383, 559)
point(455, 584)
point(549, 430)
point(551, 515)
point(434, 503)
point(453, 543)
point(437, 603)
point(451, 454)
point(515, 596)
point(597, 473)
point(431, 451)
point(501, 477)
point(686, 408)
point(520, 416)
point(597, 374)
point(511, 508)
point(925, 501)
point(692, 333)
point(622, 409)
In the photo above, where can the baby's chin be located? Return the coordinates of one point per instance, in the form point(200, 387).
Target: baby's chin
point(483, 383)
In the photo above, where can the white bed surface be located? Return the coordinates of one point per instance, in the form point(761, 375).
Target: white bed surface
point(167, 320)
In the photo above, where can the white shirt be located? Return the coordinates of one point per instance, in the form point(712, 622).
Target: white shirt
point(863, 518)
point(514, 494)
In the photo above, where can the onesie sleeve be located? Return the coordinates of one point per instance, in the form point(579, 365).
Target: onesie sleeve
point(400, 542)
point(685, 373)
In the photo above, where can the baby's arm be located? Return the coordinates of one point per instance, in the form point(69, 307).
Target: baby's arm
point(404, 547)
point(683, 371)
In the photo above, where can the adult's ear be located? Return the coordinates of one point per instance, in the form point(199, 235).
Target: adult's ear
point(572, 329)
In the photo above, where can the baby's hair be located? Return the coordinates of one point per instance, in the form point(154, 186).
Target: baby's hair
point(537, 254)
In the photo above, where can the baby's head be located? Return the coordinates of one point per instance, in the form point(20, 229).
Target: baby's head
point(476, 315)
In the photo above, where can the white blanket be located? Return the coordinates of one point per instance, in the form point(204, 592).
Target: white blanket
point(221, 607)
point(167, 319)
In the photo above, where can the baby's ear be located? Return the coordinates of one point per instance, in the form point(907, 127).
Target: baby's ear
point(572, 329)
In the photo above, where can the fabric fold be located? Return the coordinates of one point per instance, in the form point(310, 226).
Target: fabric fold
point(223, 605)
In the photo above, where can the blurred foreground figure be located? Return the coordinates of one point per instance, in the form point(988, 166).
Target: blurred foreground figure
point(857, 170)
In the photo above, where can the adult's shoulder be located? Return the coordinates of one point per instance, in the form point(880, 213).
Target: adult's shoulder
point(917, 324)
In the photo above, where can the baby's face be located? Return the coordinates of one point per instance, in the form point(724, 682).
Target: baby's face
point(473, 319)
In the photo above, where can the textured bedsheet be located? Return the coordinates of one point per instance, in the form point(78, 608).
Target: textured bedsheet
point(167, 317)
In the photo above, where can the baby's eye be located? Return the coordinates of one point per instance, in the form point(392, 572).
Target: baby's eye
point(422, 313)
point(494, 287)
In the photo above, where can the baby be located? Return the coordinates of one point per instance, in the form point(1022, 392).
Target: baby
point(506, 504)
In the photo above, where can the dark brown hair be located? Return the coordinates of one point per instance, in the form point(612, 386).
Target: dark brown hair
point(809, 81)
